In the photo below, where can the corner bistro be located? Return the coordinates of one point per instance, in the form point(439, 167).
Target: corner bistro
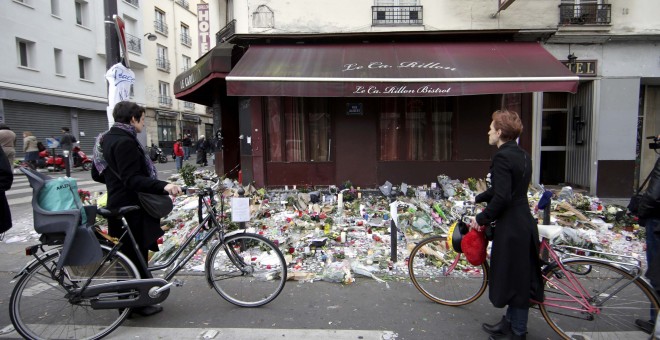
point(320, 114)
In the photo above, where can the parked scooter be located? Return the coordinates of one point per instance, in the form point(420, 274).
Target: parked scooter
point(57, 163)
point(156, 154)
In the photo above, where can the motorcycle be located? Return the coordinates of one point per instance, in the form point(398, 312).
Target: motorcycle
point(57, 163)
point(157, 154)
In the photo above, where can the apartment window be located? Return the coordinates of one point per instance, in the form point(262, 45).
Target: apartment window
point(185, 35)
point(164, 98)
point(182, 3)
point(84, 67)
point(25, 2)
point(133, 2)
point(58, 61)
point(162, 62)
point(55, 7)
point(25, 53)
point(186, 62)
point(397, 13)
point(81, 12)
point(299, 129)
point(160, 23)
point(415, 129)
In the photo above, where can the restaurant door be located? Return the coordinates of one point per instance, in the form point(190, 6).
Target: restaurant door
point(554, 118)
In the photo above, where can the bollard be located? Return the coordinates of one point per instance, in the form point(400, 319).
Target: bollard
point(393, 235)
point(241, 192)
point(66, 163)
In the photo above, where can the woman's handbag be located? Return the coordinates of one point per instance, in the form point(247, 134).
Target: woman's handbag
point(633, 205)
point(156, 205)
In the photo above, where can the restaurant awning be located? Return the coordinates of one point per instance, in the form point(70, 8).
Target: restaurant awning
point(398, 70)
point(198, 83)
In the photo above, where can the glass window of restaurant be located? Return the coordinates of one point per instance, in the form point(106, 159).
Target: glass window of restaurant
point(415, 129)
point(166, 129)
point(298, 129)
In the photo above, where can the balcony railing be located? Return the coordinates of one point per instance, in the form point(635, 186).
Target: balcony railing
point(182, 3)
point(133, 43)
point(397, 15)
point(585, 14)
point(165, 101)
point(163, 64)
point(132, 2)
point(188, 105)
point(226, 32)
point(186, 39)
point(160, 26)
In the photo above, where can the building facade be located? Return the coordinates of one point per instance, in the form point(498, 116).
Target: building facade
point(298, 130)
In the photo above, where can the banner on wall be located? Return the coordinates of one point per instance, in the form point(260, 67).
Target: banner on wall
point(203, 28)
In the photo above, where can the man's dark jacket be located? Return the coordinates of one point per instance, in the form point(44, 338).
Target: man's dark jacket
point(6, 180)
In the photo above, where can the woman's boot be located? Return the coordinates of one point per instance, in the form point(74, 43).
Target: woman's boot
point(501, 328)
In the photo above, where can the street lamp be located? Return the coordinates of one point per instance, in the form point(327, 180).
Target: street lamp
point(151, 36)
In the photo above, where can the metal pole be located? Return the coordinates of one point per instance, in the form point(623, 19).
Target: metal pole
point(67, 164)
point(394, 235)
point(112, 55)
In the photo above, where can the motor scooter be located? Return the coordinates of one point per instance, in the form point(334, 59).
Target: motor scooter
point(156, 154)
point(57, 163)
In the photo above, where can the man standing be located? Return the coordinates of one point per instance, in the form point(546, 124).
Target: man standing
point(178, 154)
point(6, 180)
point(186, 143)
point(66, 143)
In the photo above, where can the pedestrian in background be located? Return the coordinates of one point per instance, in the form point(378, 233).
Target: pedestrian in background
point(122, 164)
point(515, 274)
point(649, 218)
point(8, 142)
point(66, 143)
point(31, 148)
point(202, 147)
point(186, 143)
point(6, 180)
point(178, 154)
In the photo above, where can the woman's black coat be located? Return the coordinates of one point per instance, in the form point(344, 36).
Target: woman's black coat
point(125, 156)
point(515, 274)
point(6, 180)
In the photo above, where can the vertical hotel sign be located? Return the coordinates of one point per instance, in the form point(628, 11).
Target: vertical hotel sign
point(203, 28)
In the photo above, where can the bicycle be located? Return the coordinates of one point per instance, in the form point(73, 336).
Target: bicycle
point(586, 296)
point(54, 299)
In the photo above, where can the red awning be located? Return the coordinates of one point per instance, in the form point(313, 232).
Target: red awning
point(398, 70)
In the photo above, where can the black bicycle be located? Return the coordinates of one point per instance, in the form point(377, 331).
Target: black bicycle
point(58, 296)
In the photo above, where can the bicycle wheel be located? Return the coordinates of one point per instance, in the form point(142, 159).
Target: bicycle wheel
point(41, 308)
point(429, 267)
point(247, 270)
point(617, 298)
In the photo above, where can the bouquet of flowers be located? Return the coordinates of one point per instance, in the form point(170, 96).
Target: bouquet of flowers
point(85, 196)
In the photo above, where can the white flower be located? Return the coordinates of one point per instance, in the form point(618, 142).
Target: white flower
point(611, 210)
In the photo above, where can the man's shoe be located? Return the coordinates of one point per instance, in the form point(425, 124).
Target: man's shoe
point(646, 326)
point(501, 328)
point(146, 310)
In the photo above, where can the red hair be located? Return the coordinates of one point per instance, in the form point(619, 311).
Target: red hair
point(509, 123)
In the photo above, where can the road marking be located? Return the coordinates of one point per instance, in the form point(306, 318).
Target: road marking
point(239, 333)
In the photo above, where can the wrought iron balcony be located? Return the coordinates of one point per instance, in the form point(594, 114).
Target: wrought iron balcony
point(396, 15)
point(182, 3)
point(186, 39)
point(226, 32)
point(132, 2)
point(585, 14)
point(160, 26)
point(165, 101)
point(188, 105)
point(163, 64)
point(133, 43)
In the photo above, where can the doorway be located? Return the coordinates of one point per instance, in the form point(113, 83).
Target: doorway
point(554, 130)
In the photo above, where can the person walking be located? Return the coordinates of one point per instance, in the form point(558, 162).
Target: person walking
point(202, 147)
point(186, 143)
point(31, 149)
point(66, 143)
point(8, 142)
point(515, 274)
point(130, 171)
point(649, 218)
point(178, 154)
point(6, 180)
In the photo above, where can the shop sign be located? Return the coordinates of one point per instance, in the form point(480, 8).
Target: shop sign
point(354, 109)
point(584, 68)
point(190, 79)
point(401, 89)
point(203, 26)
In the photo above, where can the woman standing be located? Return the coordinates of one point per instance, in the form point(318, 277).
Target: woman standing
point(8, 142)
point(515, 273)
point(121, 163)
point(30, 148)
